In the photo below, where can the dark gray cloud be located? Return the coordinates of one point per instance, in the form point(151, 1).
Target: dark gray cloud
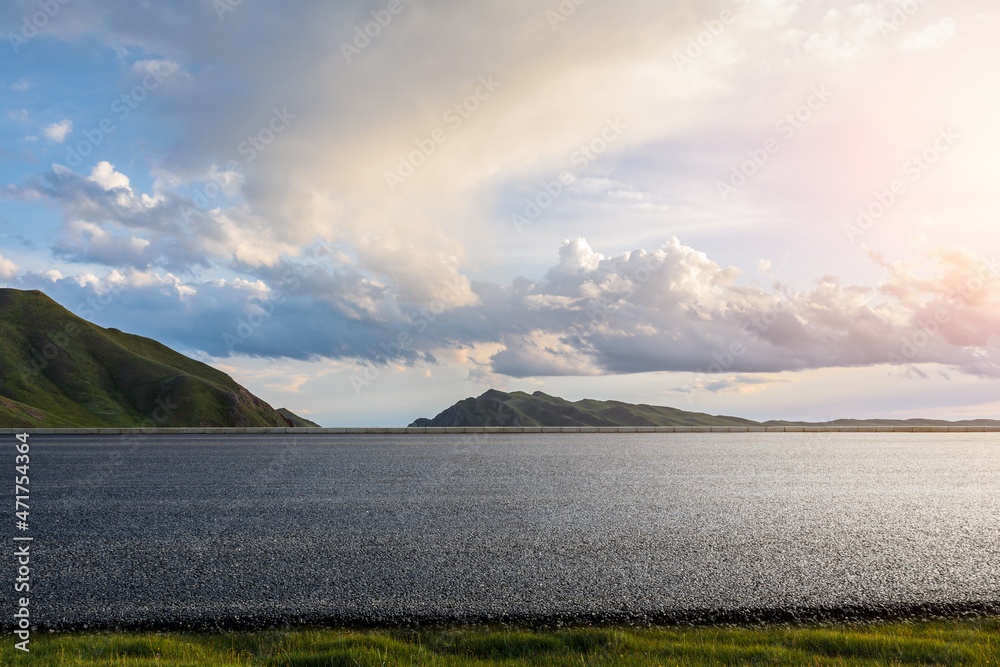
point(671, 309)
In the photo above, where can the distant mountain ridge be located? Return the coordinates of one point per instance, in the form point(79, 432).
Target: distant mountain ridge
point(518, 408)
point(60, 371)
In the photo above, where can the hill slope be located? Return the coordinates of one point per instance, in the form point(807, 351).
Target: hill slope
point(300, 422)
point(58, 370)
point(497, 408)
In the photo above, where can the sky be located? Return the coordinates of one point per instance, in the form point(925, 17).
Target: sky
point(366, 211)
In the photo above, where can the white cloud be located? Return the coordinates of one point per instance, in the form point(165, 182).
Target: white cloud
point(577, 257)
point(627, 195)
point(594, 186)
point(57, 131)
point(931, 37)
point(161, 67)
point(674, 309)
point(769, 14)
point(104, 174)
point(841, 37)
point(246, 238)
point(8, 269)
point(164, 228)
point(93, 243)
point(741, 384)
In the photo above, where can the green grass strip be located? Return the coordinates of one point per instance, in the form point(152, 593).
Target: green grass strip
point(965, 642)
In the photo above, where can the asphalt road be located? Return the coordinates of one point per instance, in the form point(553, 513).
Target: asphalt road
point(195, 531)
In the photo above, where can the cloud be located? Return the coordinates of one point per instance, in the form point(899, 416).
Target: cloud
point(545, 353)
point(673, 309)
point(843, 36)
point(177, 235)
point(931, 37)
point(322, 178)
point(667, 309)
point(742, 384)
point(162, 67)
point(57, 131)
point(86, 242)
point(576, 257)
point(8, 269)
point(303, 311)
point(104, 174)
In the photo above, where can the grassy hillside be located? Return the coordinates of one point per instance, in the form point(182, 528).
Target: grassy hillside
point(498, 408)
point(300, 422)
point(58, 370)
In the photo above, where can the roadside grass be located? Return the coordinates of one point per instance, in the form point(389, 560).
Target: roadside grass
point(964, 642)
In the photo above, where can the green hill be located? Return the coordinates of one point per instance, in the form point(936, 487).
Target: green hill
point(300, 422)
point(58, 370)
point(497, 408)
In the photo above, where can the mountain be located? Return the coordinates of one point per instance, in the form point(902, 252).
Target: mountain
point(295, 420)
point(498, 408)
point(60, 371)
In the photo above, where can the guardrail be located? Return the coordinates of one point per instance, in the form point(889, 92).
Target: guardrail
point(421, 430)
